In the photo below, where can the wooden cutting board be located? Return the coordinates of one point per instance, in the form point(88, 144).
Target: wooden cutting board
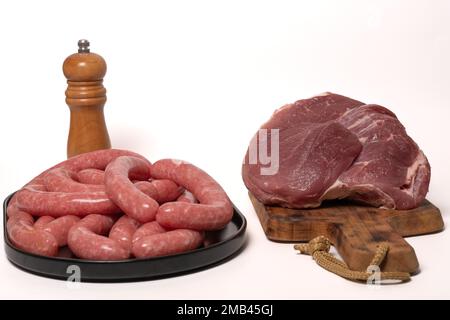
point(354, 230)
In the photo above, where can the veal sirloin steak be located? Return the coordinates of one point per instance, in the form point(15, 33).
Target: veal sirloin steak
point(334, 147)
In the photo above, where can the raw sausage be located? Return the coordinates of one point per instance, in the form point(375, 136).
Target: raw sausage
point(87, 239)
point(123, 231)
point(188, 197)
point(212, 213)
point(124, 193)
point(91, 176)
point(96, 176)
point(96, 159)
point(166, 243)
point(167, 190)
point(147, 229)
point(57, 204)
point(59, 228)
point(161, 191)
point(25, 236)
point(91, 160)
point(42, 221)
point(35, 199)
point(63, 180)
point(98, 185)
point(31, 236)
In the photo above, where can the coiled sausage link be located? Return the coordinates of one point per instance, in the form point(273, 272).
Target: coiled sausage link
point(166, 243)
point(25, 237)
point(59, 227)
point(187, 196)
point(212, 213)
point(161, 191)
point(87, 239)
point(58, 204)
point(41, 222)
point(43, 237)
point(91, 176)
point(34, 198)
point(124, 193)
point(63, 180)
point(147, 229)
point(123, 230)
point(98, 184)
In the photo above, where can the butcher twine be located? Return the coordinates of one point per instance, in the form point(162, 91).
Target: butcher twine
point(319, 249)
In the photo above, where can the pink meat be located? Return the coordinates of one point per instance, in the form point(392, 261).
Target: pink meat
point(123, 230)
point(87, 239)
point(167, 243)
point(391, 171)
point(59, 227)
point(124, 193)
point(212, 213)
point(91, 176)
point(188, 197)
point(41, 222)
point(58, 204)
point(98, 185)
point(63, 180)
point(35, 199)
point(161, 191)
point(334, 147)
point(147, 229)
point(23, 234)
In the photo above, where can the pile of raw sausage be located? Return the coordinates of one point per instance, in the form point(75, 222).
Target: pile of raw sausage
point(114, 205)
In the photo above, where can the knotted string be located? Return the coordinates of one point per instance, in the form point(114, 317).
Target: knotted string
point(319, 249)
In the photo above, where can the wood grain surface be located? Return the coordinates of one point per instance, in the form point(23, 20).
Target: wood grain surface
point(354, 230)
point(86, 97)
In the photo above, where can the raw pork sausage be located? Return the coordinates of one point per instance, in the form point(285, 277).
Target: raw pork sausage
point(148, 229)
point(166, 243)
point(59, 228)
point(35, 199)
point(42, 237)
point(57, 204)
point(212, 213)
point(123, 231)
point(25, 236)
point(99, 184)
point(63, 180)
point(87, 239)
point(188, 197)
point(91, 176)
point(42, 221)
point(161, 191)
point(124, 193)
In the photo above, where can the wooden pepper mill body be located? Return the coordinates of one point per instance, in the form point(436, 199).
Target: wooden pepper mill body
point(86, 97)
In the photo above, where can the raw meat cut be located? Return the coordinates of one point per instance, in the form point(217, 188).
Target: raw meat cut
point(95, 203)
point(334, 147)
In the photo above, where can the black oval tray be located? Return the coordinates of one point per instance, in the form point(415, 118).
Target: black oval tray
point(222, 245)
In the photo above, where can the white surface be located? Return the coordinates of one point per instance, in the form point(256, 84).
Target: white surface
point(194, 80)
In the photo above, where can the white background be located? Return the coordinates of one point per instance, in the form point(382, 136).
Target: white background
point(194, 80)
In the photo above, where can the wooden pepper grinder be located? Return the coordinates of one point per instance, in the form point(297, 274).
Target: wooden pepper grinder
point(86, 97)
